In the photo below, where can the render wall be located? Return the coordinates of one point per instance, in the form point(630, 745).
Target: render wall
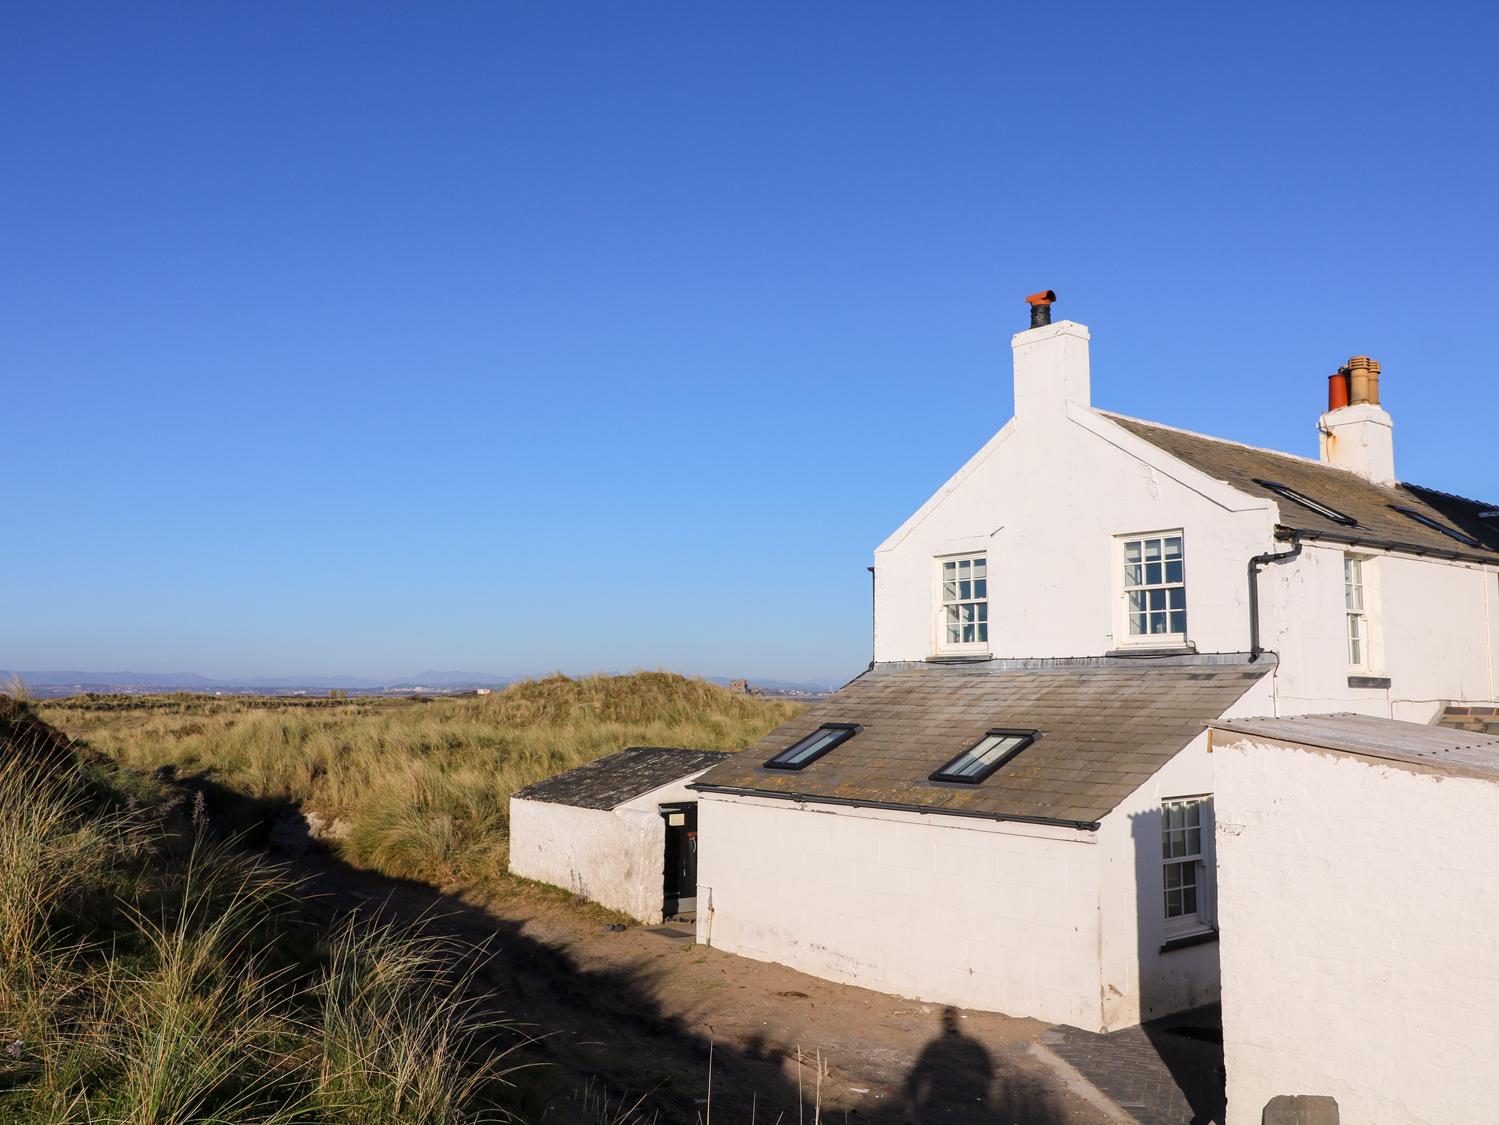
point(1141, 980)
point(974, 913)
point(1359, 906)
point(1433, 626)
point(1046, 500)
point(613, 857)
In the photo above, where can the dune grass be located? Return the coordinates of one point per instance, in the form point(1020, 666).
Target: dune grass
point(150, 978)
point(415, 788)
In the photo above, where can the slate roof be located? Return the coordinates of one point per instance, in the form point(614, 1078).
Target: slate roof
point(1369, 503)
point(1437, 746)
point(1482, 719)
point(610, 782)
point(1107, 724)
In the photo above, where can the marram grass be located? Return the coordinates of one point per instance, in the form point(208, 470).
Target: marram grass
point(419, 789)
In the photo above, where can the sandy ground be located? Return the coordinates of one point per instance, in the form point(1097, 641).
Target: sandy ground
point(631, 1017)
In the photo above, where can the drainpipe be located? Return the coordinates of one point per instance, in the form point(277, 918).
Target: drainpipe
point(873, 643)
point(1254, 591)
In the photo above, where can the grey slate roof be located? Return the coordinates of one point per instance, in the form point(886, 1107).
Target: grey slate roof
point(1368, 503)
point(1483, 719)
point(610, 782)
point(1435, 746)
point(1107, 724)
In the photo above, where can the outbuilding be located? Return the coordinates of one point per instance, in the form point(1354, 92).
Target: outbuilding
point(621, 831)
point(1359, 904)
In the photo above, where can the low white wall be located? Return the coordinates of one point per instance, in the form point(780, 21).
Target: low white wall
point(974, 913)
point(613, 858)
point(1359, 905)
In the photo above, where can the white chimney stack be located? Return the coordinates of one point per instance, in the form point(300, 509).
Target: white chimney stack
point(1051, 370)
point(1356, 433)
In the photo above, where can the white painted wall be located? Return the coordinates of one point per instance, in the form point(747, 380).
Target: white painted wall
point(1047, 499)
point(1359, 905)
point(613, 857)
point(950, 910)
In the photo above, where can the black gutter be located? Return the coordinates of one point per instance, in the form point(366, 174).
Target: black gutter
point(926, 810)
point(1350, 540)
point(1255, 651)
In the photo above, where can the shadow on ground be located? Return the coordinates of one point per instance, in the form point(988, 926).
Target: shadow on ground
point(608, 1037)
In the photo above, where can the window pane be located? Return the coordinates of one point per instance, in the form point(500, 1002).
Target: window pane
point(965, 589)
point(1152, 550)
point(952, 614)
point(1132, 551)
point(1176, 599)
point(1173, 572)
point(980, 568)
point(1194, 841)
point(981, 587)
point(983, 610)
point(1174, 547)
point(1189, 901)
point(1179, 621)
point(1157, 599)
point(1137, 624)
point(949, 570)
point(1133, 574)
point(1173, 904)
point(952, 634)
point(983, 632)
point(968, 634)
point(949, 591)
point(1152, 574)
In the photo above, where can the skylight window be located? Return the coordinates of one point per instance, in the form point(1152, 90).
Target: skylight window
point(985, 756)
point(1307, 502)
point(801, 754)
point(1437, 525)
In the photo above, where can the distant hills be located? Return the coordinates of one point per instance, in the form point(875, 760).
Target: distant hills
point(67, 682)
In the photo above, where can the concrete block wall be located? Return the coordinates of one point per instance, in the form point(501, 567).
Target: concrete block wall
point(1359, 906)
point(1003, 917)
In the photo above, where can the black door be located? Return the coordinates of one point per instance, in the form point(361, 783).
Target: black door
point(681, 859)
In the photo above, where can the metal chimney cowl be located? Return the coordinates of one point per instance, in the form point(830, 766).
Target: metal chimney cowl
point(1040, 304)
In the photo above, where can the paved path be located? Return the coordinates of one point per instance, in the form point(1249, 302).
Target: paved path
point(1164, 1073)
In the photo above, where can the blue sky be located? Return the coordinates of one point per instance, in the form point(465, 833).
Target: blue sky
point(366, 338)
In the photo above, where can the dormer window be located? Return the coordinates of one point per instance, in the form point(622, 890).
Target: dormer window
point(985, 756)
point(963, 623)
point(802, 753)
point(1155, 588)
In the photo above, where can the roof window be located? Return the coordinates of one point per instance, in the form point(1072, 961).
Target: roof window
point(1437, 525)
point(1307, 502)
point(985, 756)
point(801, 754)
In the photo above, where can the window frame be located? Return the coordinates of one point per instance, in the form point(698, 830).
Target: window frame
point(944, 773)
point(1203, 917)
point(981, 621)
point(1355, 563)
point(847, 730)
point(1121, 564)
point(1436, 525)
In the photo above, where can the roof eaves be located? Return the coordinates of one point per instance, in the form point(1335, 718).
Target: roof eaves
point(896, 806)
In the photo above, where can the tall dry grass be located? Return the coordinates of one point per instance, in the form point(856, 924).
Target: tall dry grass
point(151, 979)
point(419, 788)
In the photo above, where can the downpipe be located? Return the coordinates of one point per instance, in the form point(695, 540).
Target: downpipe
point(1255, 564)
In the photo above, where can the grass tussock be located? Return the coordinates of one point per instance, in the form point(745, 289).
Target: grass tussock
point(149, 978)
point(416, 788)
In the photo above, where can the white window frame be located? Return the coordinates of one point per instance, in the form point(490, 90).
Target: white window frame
point(981, 603)
point(1176, 852)
point(1122, 572)
point(1356, 611)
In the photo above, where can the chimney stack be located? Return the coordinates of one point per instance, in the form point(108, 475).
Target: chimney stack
point(1051, 365)
point(1356, 433)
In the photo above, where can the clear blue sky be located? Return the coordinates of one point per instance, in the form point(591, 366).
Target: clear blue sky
point(367, 338)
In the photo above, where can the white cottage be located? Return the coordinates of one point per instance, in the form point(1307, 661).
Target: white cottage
point(621, 831)
point(1358, 899)
point(1013, 808)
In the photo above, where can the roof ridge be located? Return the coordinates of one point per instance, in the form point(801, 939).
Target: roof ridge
point(1226, 441)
